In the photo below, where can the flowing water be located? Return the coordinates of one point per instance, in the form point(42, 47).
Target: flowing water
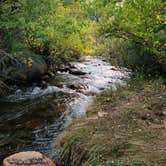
point(33, 117)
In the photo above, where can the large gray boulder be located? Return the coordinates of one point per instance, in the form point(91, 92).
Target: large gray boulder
point(14, 69)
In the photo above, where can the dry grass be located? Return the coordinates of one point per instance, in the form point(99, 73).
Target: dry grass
point(122, 128)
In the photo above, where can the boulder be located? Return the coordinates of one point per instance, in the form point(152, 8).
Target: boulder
point(30, 158)
point(76, 72)
point(38, 68)
point(14, 70)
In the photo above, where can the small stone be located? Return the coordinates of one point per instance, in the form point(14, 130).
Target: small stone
point(45, 77)
point(102, 114)
point(44, 84)
point(29, 158)
point(51, 74)
point(113, 68)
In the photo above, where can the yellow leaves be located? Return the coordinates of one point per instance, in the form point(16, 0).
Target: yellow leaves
point(74, 41)
point(61, 9)
point(140, 34)
point(149, 30)
point(65, 29)
point(109, 20)
point(158, 17)
point(156, 44)
point(88, 51)
point(50, 32)
point(27, 61)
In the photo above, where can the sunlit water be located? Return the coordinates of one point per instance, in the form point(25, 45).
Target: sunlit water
point(31, 119)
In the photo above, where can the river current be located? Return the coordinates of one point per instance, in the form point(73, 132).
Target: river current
point(33, 117)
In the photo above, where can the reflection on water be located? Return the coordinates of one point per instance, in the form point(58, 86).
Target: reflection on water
point(31, 119)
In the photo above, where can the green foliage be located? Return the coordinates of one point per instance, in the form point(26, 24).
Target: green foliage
point(141, 24)
point(132, 55)
point(62, 29)
point(53, 28)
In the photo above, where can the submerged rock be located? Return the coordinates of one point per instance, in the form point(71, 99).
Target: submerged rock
point(30, 158)
point(64, 68)
point(77, 86)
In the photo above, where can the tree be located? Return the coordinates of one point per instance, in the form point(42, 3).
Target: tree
point(54, 28)
point(141, 21)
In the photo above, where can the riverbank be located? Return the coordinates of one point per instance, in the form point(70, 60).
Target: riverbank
point(123, 127)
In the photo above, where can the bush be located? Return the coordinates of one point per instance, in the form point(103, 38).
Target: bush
point(56, 29)
point(140, 26)
point(132, 55)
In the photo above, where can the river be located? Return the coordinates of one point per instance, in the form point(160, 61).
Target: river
point(33, 117)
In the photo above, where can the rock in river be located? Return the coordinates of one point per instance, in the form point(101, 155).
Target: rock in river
point(30, 158)
point(14, 69)
point(76, 72)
